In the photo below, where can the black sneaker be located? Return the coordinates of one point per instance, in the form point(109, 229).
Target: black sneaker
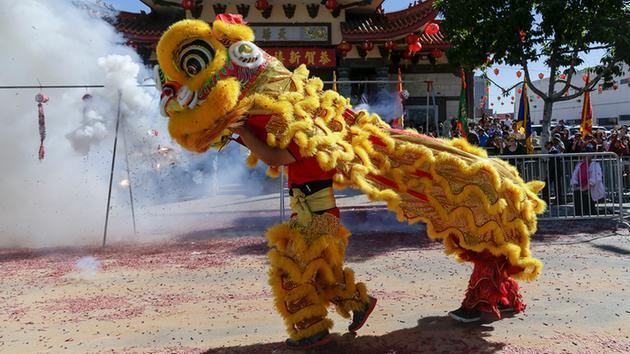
point(314, 341)
point(359, 317)
point(465, 316)
point(505, 308)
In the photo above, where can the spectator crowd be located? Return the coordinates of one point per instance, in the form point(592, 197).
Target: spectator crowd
point(505, 137)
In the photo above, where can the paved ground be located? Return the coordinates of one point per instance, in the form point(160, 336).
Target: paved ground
point(205, 290)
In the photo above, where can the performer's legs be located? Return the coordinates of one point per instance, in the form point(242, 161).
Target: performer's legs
point(349, 297)
point(490, 289)
point(306, 275)
point(292, 279)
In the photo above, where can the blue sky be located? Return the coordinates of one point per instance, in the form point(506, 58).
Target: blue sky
point(137, 5)
point(507, 74)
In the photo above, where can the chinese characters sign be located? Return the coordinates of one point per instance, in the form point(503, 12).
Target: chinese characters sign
point(288, 33)
point(311, 57)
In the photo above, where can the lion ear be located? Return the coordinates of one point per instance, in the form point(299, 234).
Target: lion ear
point(230, 28)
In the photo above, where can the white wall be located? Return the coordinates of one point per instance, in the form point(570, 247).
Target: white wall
point(609, 104)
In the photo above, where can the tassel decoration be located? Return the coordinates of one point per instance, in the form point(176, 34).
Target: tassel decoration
point(40, 98)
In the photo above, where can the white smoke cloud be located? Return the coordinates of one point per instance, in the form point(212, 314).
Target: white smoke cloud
point(88, 266)
point(61, 200)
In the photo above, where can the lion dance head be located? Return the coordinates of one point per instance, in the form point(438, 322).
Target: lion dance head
point(203, 73)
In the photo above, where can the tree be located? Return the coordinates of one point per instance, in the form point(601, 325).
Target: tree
point(517, 32)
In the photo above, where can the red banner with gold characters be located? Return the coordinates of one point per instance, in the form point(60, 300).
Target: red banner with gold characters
point(293, 57)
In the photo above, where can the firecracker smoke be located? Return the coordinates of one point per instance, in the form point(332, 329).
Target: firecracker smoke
point(61, 200)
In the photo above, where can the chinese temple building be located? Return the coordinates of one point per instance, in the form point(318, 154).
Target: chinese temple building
point(355, 39)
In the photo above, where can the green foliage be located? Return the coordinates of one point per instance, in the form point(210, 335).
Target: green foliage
point(559, 30)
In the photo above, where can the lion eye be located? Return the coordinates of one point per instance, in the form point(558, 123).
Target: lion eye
point(195, 56)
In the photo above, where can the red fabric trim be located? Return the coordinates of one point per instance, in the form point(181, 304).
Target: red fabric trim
point(422, 174)
point(377, 141)
point(490, 284)
point(394, 185)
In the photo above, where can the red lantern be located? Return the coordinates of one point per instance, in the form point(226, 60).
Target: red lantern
point(600, 88)
point(502, 103)
point(585, 78)
point(512, 98)
point(414, 48)
point(615, 87)
point(522, 35)
point(563, 76)
point(413, 43)
point(432, 29)
point(331, 4)
point(496, 71)
point(390, 45)
point(343, 48)
point(485, 98)
point(520, 90)
point(262, 5)
point(499, 98)
point(436, 53)
point(412, 38)
point(541, 75)
point(188, 4)
point(518, 74)
point(367, 46)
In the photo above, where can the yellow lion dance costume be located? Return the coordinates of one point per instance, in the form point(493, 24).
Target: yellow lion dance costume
point(210, 74)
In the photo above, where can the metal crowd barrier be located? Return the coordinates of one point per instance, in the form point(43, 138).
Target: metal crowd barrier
point(565, 199)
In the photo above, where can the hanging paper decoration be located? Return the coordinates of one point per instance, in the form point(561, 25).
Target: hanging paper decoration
point(541, 76)
point(496, 71)
point(518, 74)
point(40, 98)
point(432, 29)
